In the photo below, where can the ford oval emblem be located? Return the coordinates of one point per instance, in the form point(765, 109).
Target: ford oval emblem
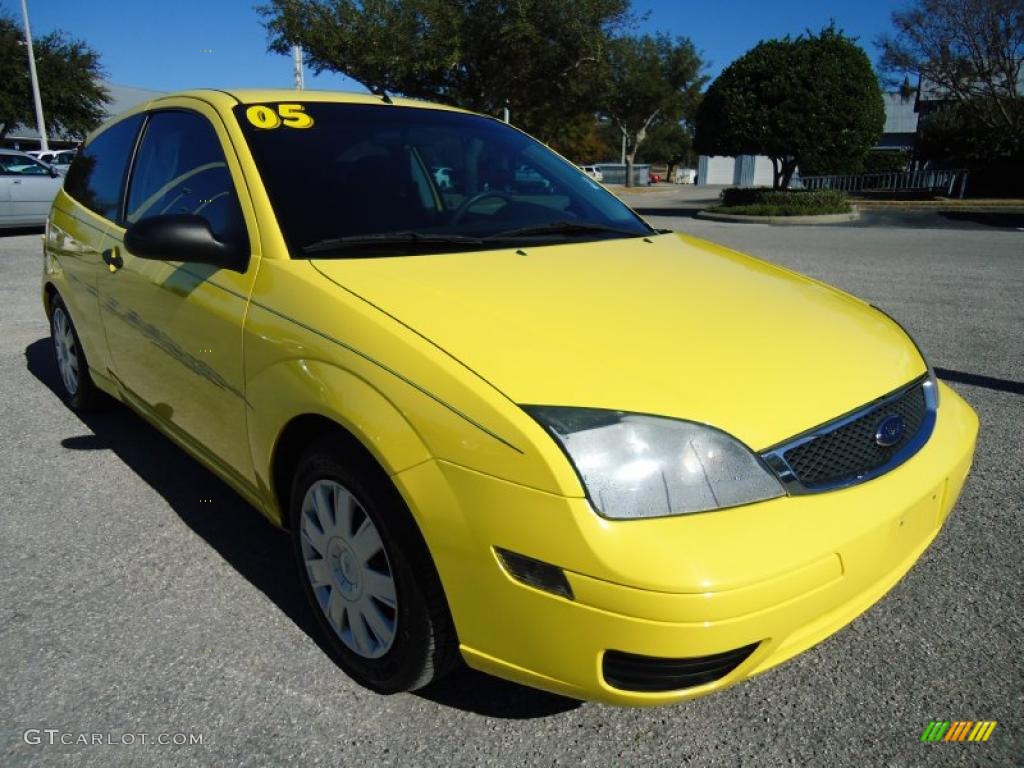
point(890, 431)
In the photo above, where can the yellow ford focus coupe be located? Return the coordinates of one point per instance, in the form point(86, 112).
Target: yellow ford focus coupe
point(503, 418)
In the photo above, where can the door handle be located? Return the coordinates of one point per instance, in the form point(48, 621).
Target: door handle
point(113, 259)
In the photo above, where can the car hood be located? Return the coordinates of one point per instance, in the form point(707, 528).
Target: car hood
point(668, 325)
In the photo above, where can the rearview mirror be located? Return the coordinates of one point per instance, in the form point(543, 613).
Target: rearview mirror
point(184, 237)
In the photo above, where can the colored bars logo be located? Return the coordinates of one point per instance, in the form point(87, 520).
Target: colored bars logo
point(959, 730)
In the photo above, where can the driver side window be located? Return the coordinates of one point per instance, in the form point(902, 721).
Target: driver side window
point(180, 168)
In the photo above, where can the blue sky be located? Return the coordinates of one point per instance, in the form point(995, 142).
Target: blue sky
point(163, 45)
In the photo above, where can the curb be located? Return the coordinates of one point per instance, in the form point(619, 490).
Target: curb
point(944, 205)
point(825, 218)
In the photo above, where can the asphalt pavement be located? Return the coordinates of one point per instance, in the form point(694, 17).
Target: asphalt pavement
point(139, 595)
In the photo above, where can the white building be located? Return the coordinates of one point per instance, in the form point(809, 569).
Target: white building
point(742, 171)
point(756, 170)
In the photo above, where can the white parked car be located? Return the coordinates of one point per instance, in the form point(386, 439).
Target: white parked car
point(27, 189)
point(62, 160)
point(58, 158)
point(593, 172)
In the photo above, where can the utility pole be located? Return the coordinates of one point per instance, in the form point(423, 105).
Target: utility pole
point(40, 124)
point(300, 80)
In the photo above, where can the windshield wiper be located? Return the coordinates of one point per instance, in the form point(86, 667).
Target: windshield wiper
point(564, 228)
point(387, 239)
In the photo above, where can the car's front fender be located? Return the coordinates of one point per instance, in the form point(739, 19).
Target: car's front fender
point(298, 387)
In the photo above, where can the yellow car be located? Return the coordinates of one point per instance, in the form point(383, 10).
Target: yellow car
point(504, 420)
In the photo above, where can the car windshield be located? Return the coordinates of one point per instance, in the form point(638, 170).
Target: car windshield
point(357, 180)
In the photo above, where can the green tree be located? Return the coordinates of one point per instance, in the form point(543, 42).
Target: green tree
point(886, 160)
point(650, 79)
point(814, 101)
point(538, 57)
point(69, 85)
point(669, 142)
point(960, 134)
point(587, 143)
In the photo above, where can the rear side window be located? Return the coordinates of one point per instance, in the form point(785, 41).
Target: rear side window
point(180, 168)
point(96, 177)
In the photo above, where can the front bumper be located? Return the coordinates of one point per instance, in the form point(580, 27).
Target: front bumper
point(783, 574)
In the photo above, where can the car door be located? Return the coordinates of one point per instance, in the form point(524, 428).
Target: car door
point(174, 328)
point(79, 225)
point(30, 189)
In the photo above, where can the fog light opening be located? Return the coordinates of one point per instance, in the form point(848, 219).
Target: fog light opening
point(535, 573)
point(632, 672)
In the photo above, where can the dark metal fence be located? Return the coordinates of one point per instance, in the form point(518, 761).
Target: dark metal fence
point(947, 182)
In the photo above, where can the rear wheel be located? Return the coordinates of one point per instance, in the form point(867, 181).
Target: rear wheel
point(367, 574)
point(77, 388)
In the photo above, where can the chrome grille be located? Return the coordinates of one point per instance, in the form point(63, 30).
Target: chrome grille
point(845, 451)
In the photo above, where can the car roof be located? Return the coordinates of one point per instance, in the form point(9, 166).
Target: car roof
point(264, 95)
point(224, 100)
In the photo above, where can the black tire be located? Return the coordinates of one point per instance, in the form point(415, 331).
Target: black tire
point(80, 394)
point(424, 645)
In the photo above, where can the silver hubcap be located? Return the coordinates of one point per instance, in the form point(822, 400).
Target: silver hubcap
point(348, 569)
point(67, 351)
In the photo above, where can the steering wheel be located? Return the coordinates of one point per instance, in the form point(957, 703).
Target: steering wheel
point(469, 202)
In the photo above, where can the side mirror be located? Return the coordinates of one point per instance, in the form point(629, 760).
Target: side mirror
point(54, 173)
point(184, 237)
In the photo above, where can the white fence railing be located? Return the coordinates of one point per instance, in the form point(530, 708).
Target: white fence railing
point(950, 183)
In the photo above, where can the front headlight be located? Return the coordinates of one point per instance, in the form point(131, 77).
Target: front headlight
point(635, 466)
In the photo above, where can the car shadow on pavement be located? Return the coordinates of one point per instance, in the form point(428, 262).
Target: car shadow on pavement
point(999, 219)
point(473, 691)
point(251, 545)
point(977, 380)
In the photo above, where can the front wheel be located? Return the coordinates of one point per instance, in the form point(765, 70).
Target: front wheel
point(367, 574)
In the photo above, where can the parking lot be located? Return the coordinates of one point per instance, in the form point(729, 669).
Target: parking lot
point(141, 596)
